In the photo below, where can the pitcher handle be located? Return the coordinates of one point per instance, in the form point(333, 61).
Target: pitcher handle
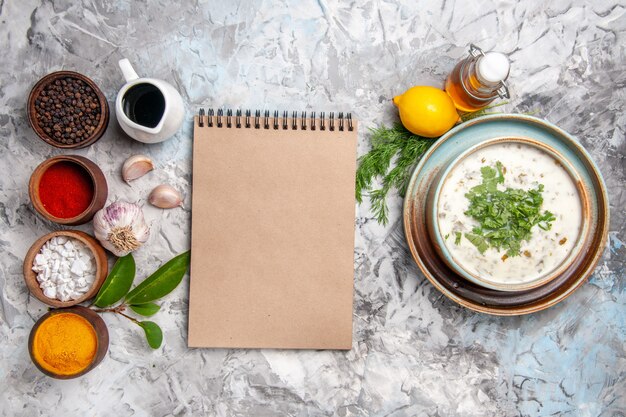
point(127, 70)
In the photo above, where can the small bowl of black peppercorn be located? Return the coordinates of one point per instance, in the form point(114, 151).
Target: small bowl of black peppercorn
point(67, 110)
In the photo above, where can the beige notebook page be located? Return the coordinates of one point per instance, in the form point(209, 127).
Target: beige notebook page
point(272, 238)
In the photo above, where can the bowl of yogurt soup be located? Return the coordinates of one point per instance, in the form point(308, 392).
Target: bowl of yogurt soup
point(437, 257)
point(483, 198)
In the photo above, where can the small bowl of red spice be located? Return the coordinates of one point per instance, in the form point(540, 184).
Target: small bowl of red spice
point(67, 110)
point(68, 189)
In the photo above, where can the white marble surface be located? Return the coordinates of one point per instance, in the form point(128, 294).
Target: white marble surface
point(415, 353)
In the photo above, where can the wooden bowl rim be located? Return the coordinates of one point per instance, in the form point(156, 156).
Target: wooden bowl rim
point(102, 268)
point(53, 76)
point(88, 165)
point(99, 327)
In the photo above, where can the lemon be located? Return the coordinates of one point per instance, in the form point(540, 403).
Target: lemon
point(426, 111)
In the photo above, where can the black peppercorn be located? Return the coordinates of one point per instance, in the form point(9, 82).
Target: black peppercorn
point(65, 110)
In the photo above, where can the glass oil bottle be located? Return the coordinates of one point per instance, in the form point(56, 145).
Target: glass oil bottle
point(478, 80)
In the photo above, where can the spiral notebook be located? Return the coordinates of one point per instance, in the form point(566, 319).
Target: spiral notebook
point(272, 230)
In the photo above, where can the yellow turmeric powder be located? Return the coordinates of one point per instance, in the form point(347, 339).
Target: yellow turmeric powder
point(65, 344)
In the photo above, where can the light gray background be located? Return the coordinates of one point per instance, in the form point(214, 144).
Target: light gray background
point(414, 352)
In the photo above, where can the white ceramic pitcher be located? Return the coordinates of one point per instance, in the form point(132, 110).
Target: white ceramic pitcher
point(152, 117)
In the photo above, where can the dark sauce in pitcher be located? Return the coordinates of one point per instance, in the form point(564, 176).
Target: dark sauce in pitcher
point(144, 104)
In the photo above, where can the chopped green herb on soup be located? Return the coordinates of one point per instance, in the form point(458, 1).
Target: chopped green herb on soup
point(505, 217)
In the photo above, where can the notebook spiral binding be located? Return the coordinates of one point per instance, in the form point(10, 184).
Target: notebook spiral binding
point(210, 118)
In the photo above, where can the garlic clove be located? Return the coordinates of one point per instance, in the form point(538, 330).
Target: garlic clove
point(166, 197)
point(135, 167)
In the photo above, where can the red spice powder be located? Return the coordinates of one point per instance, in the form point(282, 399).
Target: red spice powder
point(65, 190)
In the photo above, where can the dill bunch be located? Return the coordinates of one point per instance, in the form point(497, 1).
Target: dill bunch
point(389, 145)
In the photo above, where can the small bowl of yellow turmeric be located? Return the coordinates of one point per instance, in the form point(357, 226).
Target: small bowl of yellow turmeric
point(69, 342)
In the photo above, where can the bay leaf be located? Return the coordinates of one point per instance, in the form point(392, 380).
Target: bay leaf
point(161, 282)
point(117, 283)
point(146, 310)
point(154, 334)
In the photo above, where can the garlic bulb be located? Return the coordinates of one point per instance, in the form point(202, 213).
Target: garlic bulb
point(165, 196)
point(136, 166)
point(121, 228)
